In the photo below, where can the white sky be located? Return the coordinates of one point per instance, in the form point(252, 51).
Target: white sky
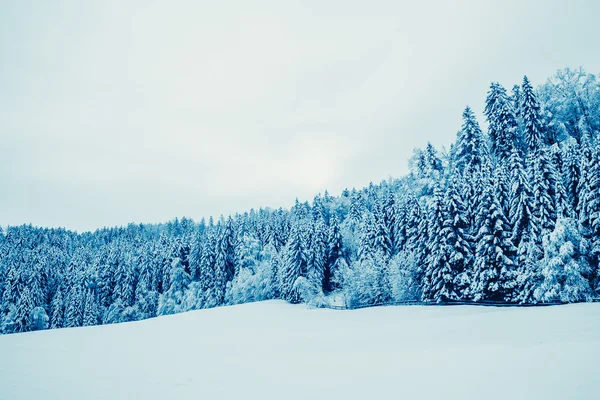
point(137, 111)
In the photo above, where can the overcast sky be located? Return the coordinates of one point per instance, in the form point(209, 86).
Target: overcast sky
point(138, 111)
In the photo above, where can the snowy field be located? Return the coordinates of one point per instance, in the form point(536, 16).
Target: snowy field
point(273, 350)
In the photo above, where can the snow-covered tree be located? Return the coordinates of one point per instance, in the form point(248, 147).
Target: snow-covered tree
point(494, 274)
point(470, 146)
point(564, 265)
point(530, 111)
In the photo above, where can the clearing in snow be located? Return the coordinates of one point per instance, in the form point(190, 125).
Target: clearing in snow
point(274, 350)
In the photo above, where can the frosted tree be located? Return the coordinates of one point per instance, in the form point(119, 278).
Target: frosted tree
point(494, 272)
point(171, 301)
point(433, 163)
point(571, 173)
point(403, 272)
point(520, 198)
point(542, 178)
point(564, 265)
point(316, 253)
point(590, 202)
point(530, 111)
point(470, 148)
point(294, 265)
point(222, 264)
point(503, 127)
point(39, 319)
point(368, 236)
point(57, 310)
point(335, 253)
point(382, 241)
point(493, 103)
point(24, 307)
point(74, 307)
point(417, 234)
point(438, 281)
point(457, 241)
point(90, 312)
point(529, 275)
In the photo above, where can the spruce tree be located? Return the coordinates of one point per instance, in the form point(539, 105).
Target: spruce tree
point(24, 309)
point(74, 307)
point(90, 316)
point(494, 272)
point(457, 241)
point(530, 111)
point(502, 123)
point(542, 178)
point(470, 148)
point(520, 200)
point(334, 256)
point(438, 279)
point(294, 265)
point(57, 310)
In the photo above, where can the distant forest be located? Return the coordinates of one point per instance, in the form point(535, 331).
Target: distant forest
point(511, 214)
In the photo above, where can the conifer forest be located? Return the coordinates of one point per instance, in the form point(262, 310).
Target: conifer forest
point(510, 213)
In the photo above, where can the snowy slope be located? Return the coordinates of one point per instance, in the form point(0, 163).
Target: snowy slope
point(273, 350)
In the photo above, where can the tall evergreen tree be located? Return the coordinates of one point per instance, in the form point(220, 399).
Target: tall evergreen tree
point(530, 110)
point(458, 241)
point(542, 178)
point(438, 281)
point(470, 146)
point(294, 265)
point(494, 274)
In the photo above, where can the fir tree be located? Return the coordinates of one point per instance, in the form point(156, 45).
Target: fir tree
point(494, 273)
point(530, 111)
point(542, 178)
point(520, 208)
point(455, 236)
point(24, 309)
point(90, 316)
point(334, 254)
point(438, 280)
point(470, 146)
point(294, 265)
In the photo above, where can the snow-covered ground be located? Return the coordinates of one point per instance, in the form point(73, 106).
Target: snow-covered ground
point(273, 350)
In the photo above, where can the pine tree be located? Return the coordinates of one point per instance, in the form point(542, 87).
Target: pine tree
point(381, 241)
point(388, 209)
point(494, 275)
point(417, 233)
point(57, 310)
point(493, 103)
point(335, 254)
point(221, 265)
point(24, 309)
point(294, 265)
point(90, 316)
point(470, 146)
point(74, 307)
point(316, 253)
point(542, 178)
point(438, 279)
point(571, 173)
point(368, 236)
point(520, 197)
point(530, 110)
point(590, 210)
point(502, 128)
point(455, 236)
point(433, 164)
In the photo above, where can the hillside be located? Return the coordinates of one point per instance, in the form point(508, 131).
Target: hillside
point(274, 350)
